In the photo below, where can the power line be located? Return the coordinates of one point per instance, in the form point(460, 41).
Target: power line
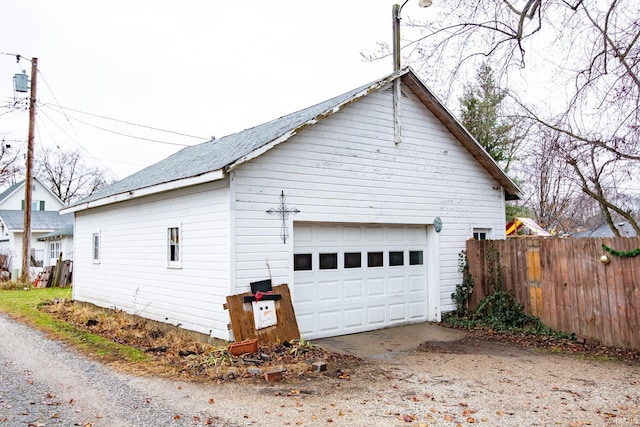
point(44, 114)
point(130, 123)
point(57, 102)
point(116, 132)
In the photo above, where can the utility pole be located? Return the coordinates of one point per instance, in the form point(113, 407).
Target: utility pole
point(26, 236)
point(396, 16)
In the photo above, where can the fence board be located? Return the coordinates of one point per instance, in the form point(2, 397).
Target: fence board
point(631, 333)
point(580, 311)
point(550, 299)
point(563, 282)
point(601, 300)
point(591, 294)
point(635, 284)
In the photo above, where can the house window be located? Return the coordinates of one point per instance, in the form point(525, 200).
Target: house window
point(36, 205)
point(481, 233)
point(96, 247)
point(54, 251)
point(302, 262)
point(173, 246)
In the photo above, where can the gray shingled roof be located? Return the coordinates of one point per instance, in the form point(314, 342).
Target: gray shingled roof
point(40, 220)
point(216, 154)
point(6, 193)
point(66, 231)
point(603, 230)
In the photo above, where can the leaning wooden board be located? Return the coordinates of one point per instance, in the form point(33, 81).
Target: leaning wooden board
point(242, 322)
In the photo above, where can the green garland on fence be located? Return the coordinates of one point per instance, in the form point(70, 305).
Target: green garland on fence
point(629, 254)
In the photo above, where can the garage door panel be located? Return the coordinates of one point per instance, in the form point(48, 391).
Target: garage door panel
point(417, 283)
point(329, 320)
point(328, 234)
point(304, 234)
point(395, 234)
point(304, 293)
point(329, 291)
point(397, 285)
point(354, 318)
point(397, 312)
point(374, 235)
point(352, 234)
point(376, 315)
point(351, 298)
point(353, 289)
point(417, 309)
point(375, 287)
point(305, 324)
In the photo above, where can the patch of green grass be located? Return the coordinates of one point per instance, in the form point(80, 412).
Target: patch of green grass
point(23, 305)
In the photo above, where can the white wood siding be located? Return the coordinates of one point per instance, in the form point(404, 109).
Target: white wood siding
point(14, 249)
point(132, 274)
point(347, 168)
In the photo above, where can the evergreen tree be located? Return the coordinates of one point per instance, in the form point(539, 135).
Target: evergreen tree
point(481, 115)
point(481, 106)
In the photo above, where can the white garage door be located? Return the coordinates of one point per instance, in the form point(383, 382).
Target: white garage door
point(352, 278)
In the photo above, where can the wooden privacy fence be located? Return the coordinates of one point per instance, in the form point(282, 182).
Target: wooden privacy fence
point(564, 282)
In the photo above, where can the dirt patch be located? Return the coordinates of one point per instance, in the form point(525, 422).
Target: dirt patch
point(481, 341)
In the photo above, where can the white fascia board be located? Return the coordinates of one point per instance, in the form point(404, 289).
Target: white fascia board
point(147, 191)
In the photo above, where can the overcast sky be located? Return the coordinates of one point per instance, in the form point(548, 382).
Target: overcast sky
point(199, 67)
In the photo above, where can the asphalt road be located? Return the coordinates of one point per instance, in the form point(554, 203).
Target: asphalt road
point(42, 383)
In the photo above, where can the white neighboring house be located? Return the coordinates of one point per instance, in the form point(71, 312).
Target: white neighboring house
point(45, 218)
point(58, 242)
point(365, 229)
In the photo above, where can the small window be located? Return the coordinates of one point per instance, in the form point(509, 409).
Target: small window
point(352, 260)
point(173, 246)
point(328, 261)
point(96, 247)
point(374, 259)
point(396, 258)
point(302, 262)
point(480, 234)
point(415, 258)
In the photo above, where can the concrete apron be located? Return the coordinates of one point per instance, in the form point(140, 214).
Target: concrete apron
point(389, 343)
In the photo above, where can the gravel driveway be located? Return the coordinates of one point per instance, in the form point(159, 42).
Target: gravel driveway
point(42, 383)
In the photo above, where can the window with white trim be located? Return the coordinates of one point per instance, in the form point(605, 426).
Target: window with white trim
point(481, 233)
point(174, 257)
point(54, 251)
point(96, 248)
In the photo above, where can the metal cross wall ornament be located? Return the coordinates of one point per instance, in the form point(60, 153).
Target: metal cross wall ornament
point(283, 210)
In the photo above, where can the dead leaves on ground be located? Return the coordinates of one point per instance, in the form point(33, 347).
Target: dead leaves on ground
point(176, 353)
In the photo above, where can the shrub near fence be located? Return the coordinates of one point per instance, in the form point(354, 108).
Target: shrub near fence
point(564, 282)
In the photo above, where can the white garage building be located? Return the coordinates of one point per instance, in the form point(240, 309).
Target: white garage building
point(360, 205)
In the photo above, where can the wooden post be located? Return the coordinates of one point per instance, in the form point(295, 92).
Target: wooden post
point(57, 273)
point(26, 235)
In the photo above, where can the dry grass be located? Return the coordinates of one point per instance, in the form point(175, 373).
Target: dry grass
point(175, 353)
